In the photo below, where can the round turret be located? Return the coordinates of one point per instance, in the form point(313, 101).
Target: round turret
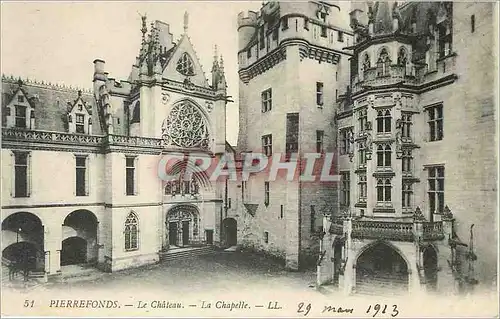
point(247, 24)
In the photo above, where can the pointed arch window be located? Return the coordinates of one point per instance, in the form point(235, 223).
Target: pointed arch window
point(185, 65)
point(366, 64)
point(383, 63)
point(136, 113)
point(132, 232)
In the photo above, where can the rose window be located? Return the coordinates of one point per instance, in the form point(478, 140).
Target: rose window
point(186, 127)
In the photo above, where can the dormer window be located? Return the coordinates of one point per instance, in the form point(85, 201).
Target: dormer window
point(80, 123)
point(20, 115)
point(185, 65)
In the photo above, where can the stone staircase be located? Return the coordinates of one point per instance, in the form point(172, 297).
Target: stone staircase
point(184, 253)
point(382, 286)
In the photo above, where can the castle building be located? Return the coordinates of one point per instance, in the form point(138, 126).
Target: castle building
point(417, 152)
point(80, 168)
point(292, 68)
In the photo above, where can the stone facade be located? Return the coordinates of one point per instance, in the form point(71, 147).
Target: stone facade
point(295, 52)
point(420, 165)
point(80, 168)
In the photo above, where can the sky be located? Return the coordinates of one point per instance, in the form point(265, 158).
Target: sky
point(57, 41)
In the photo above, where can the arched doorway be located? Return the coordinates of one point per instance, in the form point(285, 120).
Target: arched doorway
point(338, 246)
point(182, 226)
point(23, 241)
point(74, 251)
point(430, 268)
point(230, 231)
point(79, 244)
point(380, 269)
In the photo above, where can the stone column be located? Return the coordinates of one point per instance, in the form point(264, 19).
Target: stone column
point(350, 271)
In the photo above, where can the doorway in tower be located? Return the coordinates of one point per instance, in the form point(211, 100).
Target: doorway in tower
point(23, 243)
point(79, 245)
point(381, 270)
point(430, 268)
point(182, 226)
point(230, 232)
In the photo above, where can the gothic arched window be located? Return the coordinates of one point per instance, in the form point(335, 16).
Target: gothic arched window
point(131, 232)
point(186, 127)
point(366, 62)
point(136, 113)
point(185, 65)
point(383, 63)
point(402, 56)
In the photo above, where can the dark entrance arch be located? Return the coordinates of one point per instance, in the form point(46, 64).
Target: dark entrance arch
point(23, 241)
point(430, 268)
point(380, 269)
point(230, 231)
point(74, 251)
point(338, 246)
point(182, 226)
point(79, 238)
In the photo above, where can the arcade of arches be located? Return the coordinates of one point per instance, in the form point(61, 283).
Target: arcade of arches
point(23, 240)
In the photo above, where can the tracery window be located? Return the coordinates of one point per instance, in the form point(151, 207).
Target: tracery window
point(186, 127)
point(185, 65)
point(383, 63)
point(131, 232)
point(384, 156)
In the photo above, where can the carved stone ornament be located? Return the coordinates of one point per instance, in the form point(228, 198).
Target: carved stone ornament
point(418, 216)
point(209, 105)
point(447, 214)
point(165, 97)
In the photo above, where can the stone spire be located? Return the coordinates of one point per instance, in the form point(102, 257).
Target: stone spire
point(383, 18)
point(144, 28)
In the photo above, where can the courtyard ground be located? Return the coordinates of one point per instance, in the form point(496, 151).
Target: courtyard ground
point(215, 280)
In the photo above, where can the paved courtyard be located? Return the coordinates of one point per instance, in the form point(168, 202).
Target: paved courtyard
point(227, 271)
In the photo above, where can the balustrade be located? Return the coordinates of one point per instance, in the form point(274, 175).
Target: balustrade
point(383, 230)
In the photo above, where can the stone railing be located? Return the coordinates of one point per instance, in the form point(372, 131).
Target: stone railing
point(337, 227)
point(432, 231)
point(383, 230)
point(394, 74)
point(12, 134)
point(123, 140)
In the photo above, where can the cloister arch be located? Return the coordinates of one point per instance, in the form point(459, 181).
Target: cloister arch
point(382, 268)
point(79, 240)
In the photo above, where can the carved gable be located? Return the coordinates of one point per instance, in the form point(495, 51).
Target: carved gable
point(184, 64)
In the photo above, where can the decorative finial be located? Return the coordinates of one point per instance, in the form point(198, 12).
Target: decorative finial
point(144, 28)
point(186, 21)
point(79, 93)
point(215, 52)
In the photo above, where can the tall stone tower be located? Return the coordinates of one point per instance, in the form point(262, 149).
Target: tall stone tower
point(293, 66)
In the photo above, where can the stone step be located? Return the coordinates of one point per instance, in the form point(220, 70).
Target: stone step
point(183, 254)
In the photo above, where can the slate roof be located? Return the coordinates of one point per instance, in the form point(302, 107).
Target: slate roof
point(49, 101)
